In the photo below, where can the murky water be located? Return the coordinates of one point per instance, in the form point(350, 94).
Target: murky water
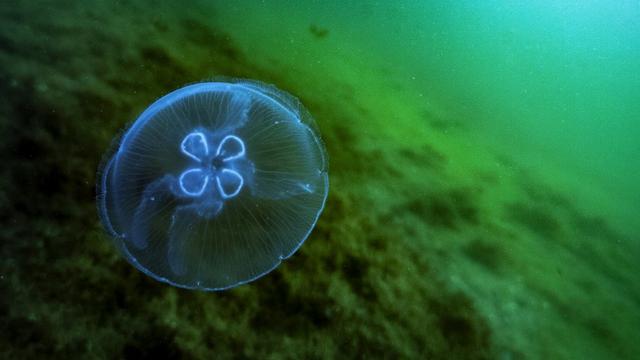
point(483, 159)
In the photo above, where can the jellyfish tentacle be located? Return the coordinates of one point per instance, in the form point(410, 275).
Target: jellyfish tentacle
point(181, 226)
point(234, 184)
point(153, 202)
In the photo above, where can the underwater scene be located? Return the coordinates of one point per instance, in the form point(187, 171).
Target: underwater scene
point(320, 179)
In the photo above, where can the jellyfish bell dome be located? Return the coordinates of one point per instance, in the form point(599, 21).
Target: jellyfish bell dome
point(214, 184)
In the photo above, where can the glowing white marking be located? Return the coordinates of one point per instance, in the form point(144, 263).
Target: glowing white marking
point(192, 193)
point(201, 138)
point(231, 138)
point(224, 194)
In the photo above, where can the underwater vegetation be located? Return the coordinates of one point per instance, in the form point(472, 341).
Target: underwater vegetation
point(428, 247)
point(69, 293)
point(214, 184)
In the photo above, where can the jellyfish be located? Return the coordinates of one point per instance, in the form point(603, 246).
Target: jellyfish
point(214, 184)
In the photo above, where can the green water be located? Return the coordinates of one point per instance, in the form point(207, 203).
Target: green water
point(484, 162)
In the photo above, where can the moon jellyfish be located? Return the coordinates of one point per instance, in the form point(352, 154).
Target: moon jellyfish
point(214, 184)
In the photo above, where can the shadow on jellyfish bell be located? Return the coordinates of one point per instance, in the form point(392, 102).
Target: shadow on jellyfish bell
point(214, 184)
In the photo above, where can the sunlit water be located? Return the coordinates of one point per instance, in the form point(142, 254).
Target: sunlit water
point(484, 160)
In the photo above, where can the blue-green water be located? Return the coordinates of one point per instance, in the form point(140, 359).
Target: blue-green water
point(556, 80)
point(483, 159)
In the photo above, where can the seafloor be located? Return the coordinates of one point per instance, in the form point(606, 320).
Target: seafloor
point(430, 246)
